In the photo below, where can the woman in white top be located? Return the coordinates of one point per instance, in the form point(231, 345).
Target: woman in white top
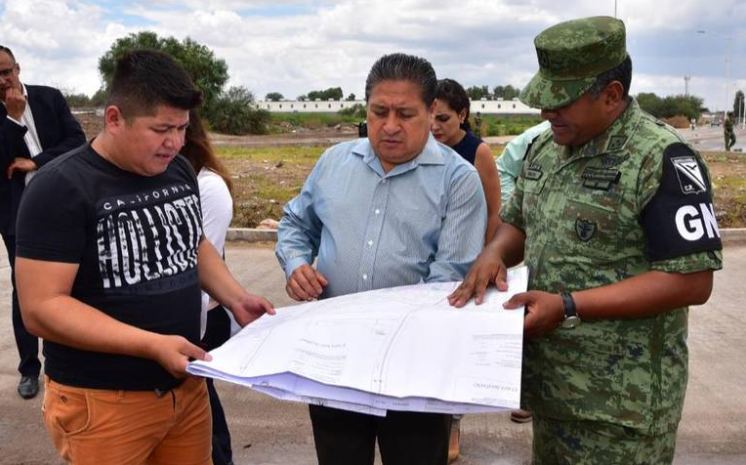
point(217, 211)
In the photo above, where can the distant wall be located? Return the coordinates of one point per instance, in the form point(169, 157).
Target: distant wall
point(487, 107)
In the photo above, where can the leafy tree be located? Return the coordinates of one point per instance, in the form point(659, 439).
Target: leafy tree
point(302, 98)
point(738, 104)
point(506, 92)
point(274, 96)
point(208, 72)
point(334, 93)
point(689, 106)
point(77, 100)
point(350, 97)
point(99, 98)
point(511, 92)
point(239, 114)
point(477, 93)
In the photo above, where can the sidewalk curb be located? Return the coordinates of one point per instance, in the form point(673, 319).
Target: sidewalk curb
point(251, 235)
point(733, 236)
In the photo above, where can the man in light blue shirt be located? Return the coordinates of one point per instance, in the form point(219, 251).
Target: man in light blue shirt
point(397, 208)
point(510, 162)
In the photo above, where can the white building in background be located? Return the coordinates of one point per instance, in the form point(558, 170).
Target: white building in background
point(488, 107)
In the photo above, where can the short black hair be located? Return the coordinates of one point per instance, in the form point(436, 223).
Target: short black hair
point(5, 49)
point(145, 79)
point(402, 67)
point(622, 73)
point(455, 96)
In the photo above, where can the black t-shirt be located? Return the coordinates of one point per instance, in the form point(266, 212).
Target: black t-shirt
point(135, 240)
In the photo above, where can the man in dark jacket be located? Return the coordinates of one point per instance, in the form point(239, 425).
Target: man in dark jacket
point(35, 126)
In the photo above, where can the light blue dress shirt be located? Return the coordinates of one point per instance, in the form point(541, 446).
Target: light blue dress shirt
point(510, 162)
point(424, 220)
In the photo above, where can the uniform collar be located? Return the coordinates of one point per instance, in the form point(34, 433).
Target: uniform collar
point(615, 137)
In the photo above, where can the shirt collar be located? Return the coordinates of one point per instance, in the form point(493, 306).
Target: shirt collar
point(430, 155)
point(616, 136)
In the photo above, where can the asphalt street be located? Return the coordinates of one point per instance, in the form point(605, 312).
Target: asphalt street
point(266, 431)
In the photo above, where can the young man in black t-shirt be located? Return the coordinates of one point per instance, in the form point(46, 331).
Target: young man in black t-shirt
point(113, 286)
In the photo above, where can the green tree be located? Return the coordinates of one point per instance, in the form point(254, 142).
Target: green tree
point(511, 92)
point(77, 100)
point(350, 97)
point(334, 93)
point(208, 72)
point(302, 98)
point(477, 93)
point(99, 98)
point(274, 96)
point(689, 106)
point(239, 114)
point(498, 92)
point(738, 104)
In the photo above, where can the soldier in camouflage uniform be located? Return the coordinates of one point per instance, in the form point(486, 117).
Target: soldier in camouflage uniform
point(729, 133)
point(613, 213)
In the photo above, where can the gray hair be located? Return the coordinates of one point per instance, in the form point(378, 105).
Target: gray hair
point(402, 67)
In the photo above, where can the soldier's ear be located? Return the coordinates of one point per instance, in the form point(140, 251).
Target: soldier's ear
point(613, 94)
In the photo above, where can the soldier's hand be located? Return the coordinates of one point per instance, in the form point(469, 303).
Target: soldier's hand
point(305, 284)
point(174, 353)
point(544, 311)
point(15, 103)
point(487, 269)
point(22, 165)
point(250, 307)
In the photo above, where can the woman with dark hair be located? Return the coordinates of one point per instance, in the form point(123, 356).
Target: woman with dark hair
point(217, 212)
point(450, 126)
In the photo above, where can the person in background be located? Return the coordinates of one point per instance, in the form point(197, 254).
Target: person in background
point(729, 132)
point(509, 166)
point(510, 162)
point(216, 200)
point(36, 126)
point(450, 126)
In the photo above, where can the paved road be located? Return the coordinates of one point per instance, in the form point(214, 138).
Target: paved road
point(270, 432)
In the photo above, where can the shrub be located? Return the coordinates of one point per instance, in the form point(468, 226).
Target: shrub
point(236, 113)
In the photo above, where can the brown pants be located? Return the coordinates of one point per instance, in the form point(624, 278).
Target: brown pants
point(94, 426)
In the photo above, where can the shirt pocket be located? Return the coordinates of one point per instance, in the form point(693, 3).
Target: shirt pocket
point(531, 208)
point(591, 226)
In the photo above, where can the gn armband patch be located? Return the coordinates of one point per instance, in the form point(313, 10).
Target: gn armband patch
point(680, 218)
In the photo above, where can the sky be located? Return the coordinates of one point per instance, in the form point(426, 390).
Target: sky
point(293, 47)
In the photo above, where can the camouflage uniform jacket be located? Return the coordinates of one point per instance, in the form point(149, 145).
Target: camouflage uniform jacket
point(583, 212)
point(728, 126)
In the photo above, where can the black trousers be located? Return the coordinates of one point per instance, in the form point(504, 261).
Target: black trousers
point(218, 331)
point(27, 343)
point(404, 438)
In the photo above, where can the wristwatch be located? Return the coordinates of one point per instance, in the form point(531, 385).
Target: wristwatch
point(571, 314)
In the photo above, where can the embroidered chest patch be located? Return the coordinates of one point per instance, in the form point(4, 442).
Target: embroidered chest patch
point(585, 229)
point(600, 178)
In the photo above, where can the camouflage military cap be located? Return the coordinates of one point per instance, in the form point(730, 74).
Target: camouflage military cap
point(571, 55)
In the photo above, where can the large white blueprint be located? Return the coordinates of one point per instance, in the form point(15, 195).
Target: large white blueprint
point(401, 348)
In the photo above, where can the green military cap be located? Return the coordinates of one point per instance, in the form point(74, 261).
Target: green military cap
point(571, 55)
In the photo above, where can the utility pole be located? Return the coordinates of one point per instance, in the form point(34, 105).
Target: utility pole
point(686, 85)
